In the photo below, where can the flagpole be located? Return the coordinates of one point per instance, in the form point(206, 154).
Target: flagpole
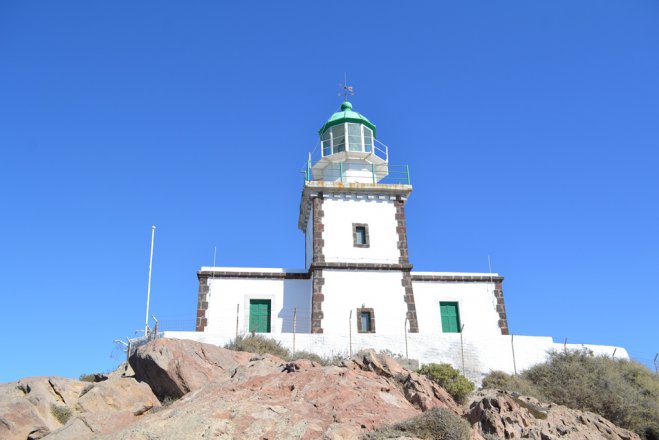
point(148, 289)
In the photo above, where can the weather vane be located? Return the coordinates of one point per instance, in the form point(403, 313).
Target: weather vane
point(346, 90)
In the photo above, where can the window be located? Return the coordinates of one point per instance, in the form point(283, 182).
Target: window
point(327, 143)
point(368, 139)
point(450, 317)
point(259, 315)
point(360, 235)
point(338, 138)
point(365, 320)
point(355, 137)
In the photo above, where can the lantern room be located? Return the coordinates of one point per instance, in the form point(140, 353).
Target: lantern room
point(349, 149)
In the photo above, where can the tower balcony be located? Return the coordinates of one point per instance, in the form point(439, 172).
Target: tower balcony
point(368, 164)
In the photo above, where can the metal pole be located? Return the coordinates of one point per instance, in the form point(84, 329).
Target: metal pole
point(614, 353)
point(373, 171)
point(405, 327)
point(350, 332)
point(655, 364)
point(462, 350)
point(407, 167)
point(512, 344)
point(341, 171)
point(294, 326)
point(148, 289)
point(565, 345)
point(155, 331)
point(237, 315)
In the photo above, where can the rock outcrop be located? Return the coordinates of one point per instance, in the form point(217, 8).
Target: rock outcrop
point(56, 407)
point(508, 415)
point(211, 392)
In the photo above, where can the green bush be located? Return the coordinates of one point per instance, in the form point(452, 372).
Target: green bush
point(258, 344)
point(458, 386)
point(624, 392)
point(436, 424)
point(61, 413)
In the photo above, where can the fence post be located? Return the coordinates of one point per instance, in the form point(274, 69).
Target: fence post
point(350, 333)
point(655, 364)
point(294, 326)
point(512, 344)
point(462, 350)
point(565, 345)
point(237, 315)
point(613, 356)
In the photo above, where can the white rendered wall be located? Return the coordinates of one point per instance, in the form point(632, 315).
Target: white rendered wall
point(345, 291)
point(225, 294)
point(476, 306)
point(379, 215)
point(481, 355)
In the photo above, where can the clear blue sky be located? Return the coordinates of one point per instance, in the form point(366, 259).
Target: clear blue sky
point(531, 130)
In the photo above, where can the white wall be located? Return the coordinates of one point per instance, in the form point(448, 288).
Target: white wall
point(379, 215)
point(285, 295)
point(345, 291)
point(481, 355)
point(476, 306)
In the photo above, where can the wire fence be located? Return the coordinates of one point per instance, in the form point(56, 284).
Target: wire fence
point(297, 320)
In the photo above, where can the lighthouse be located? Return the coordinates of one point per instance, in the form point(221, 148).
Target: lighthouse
point(357, 288)
point(352, 212)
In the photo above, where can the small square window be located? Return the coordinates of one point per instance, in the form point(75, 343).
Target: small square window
point(365, 320)
point(360, 235)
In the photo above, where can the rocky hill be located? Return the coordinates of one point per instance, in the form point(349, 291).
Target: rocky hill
point(187, 390)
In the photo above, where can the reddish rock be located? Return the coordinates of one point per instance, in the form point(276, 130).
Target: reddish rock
point(418, 389)
point(509, 415)
point(174, 367)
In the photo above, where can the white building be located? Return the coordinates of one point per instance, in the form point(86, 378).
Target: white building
point(357, 289)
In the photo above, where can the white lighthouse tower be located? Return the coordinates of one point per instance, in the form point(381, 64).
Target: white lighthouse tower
point(353, 214)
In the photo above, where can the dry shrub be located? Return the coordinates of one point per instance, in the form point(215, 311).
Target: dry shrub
point(436, 424)
point(498, 380)
point(61, 413)
point(258, 344)
point(321, 360)
point(624, 392)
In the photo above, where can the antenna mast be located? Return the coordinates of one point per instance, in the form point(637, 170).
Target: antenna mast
point(148, 289)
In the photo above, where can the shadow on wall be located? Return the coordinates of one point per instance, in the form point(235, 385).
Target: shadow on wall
point(296, 308)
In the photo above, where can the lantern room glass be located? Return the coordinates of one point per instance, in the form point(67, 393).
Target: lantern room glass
point(359, 139)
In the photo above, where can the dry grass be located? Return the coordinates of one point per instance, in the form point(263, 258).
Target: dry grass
point(436, 424)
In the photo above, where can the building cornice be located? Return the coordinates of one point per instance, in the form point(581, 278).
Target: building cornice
point(466, 278)
point(289, 275)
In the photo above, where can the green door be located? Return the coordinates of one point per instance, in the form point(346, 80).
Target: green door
point(259, 315)
point(450, 317)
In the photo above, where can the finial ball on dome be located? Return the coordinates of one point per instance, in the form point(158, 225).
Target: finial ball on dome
point(346, 106)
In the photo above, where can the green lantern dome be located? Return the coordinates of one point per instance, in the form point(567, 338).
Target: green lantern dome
point(347, 114)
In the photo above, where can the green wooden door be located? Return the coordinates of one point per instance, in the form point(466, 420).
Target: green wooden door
point(259, 315)
point(450, 317)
